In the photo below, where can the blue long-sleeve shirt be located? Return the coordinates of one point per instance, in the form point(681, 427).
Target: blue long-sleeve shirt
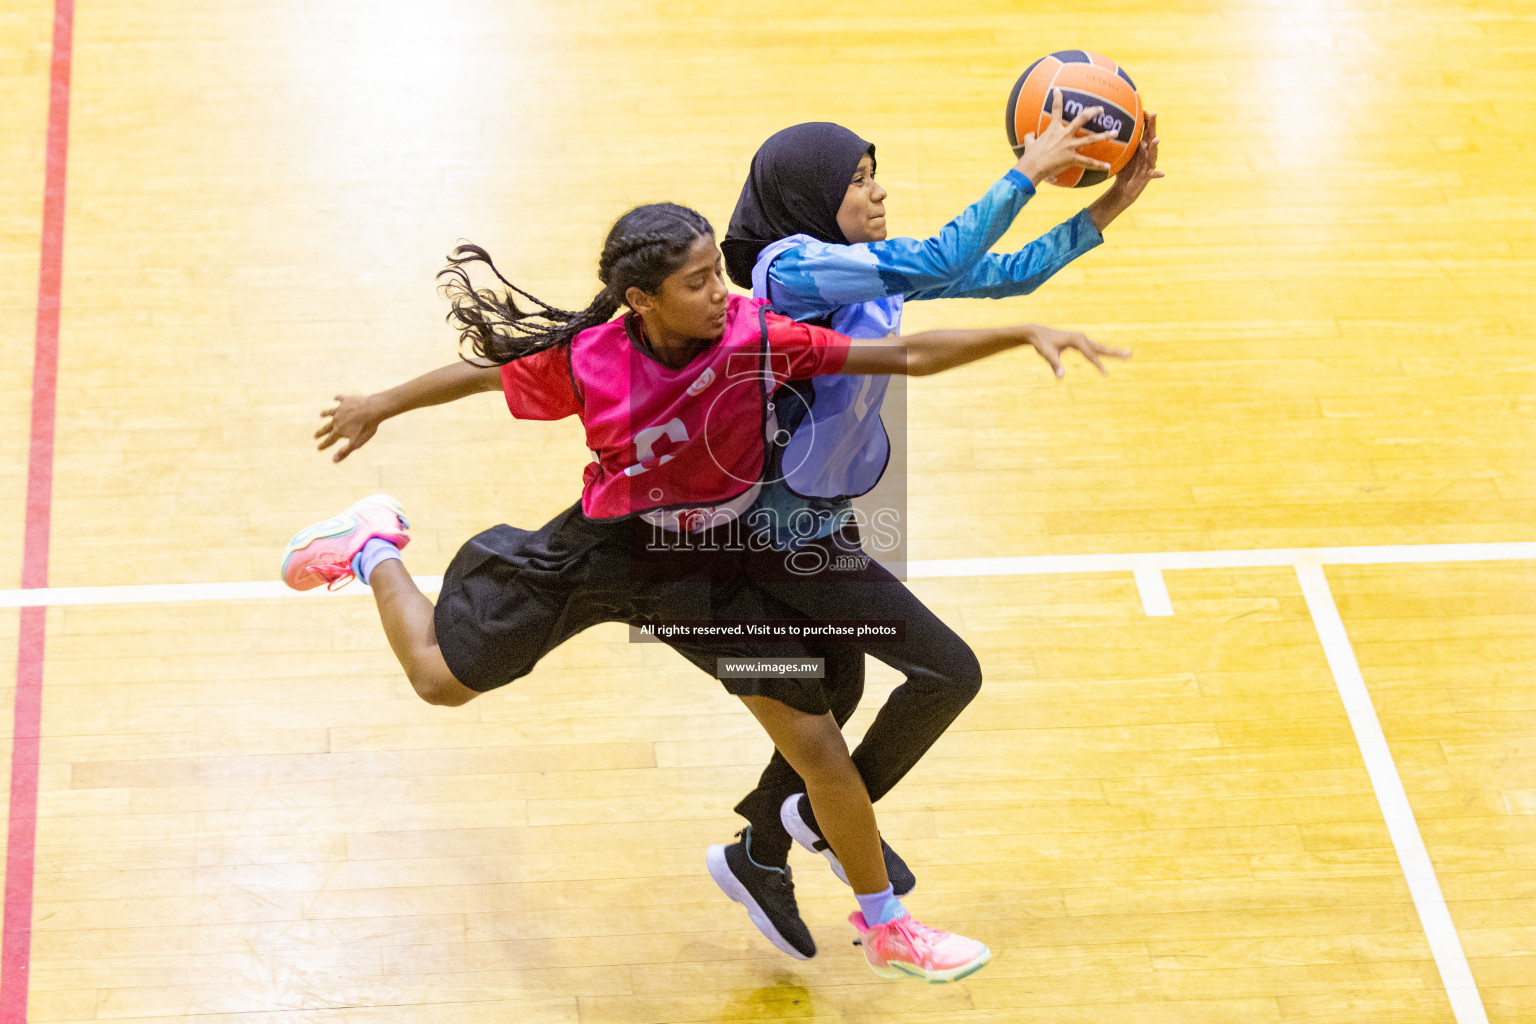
point(812, 279)
point(840, 447)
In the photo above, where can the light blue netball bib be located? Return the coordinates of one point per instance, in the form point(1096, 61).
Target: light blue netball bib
point(840, 449)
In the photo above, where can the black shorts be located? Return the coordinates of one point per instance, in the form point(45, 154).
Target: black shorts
point(511, 596)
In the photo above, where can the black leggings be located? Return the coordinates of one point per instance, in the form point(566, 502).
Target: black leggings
point(942, 676)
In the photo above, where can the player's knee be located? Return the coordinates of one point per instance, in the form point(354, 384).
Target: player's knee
point(826, 762)
point(439, 689)
point(964, 673)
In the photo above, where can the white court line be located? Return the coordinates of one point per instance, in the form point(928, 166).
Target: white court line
point(155, 593)
point(1038, 565)
point(1153, 591)
point(1387, 554)
point(1423, 885)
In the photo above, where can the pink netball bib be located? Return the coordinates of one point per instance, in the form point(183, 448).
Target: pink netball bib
point(672, 439)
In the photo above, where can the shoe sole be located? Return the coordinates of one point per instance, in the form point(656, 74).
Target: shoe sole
point(901, 970)
point(801, 833)
point(336, 526)
point(729, 884)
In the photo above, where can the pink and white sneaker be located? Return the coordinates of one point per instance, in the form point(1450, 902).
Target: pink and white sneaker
point(907, 947)
point(323, 553)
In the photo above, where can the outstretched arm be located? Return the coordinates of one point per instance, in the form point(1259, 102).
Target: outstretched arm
point(919, 355)
point(355, 418)
point(812, 279)
point(1019, 273)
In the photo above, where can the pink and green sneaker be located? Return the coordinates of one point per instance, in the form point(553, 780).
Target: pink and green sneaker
point(323, 553)
point(907, 947)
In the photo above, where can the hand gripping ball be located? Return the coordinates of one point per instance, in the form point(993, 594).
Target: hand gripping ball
point(1086, 80)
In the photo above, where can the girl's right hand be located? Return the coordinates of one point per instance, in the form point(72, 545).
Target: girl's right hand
point(1056, 149)
point(352, 419)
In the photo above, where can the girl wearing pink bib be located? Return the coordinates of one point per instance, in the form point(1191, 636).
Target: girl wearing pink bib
point(671, 443)
point(675, 400)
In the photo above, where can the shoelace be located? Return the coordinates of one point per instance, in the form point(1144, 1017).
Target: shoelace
point(336, 576)
point(916, 934)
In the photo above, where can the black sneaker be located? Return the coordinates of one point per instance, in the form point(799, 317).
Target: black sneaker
point(801, 826)
point(767, 893)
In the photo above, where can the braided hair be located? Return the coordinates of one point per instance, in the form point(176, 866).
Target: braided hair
point(644, 247)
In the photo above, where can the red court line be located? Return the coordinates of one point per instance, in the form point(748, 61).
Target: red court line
point(21, 836)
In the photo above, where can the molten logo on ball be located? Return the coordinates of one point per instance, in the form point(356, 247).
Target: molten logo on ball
point(1086, 79)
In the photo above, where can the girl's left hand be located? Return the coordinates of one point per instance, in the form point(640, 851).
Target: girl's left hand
point(1051, 342)
point(1141, 169)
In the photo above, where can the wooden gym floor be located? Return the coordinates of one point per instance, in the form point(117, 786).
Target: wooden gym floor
point(1302, 789)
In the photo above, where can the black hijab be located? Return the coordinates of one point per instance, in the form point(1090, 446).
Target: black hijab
point(795, 187)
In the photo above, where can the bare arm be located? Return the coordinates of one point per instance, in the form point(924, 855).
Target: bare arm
point(355, 418)
point(919, 355)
